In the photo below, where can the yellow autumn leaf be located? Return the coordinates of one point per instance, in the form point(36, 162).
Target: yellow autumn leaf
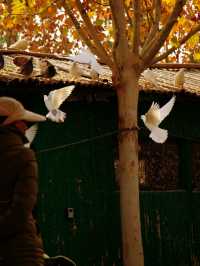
point(105, 2)
point(197, 4)
point(181, 20)
point(169, 2)
point(193, 40)
point(128, 2)
point(43, 10)
point(18, 7)
point(31, 3)
point(91, 13)
point(196, 56)
point(8, 23)
point(5, 13)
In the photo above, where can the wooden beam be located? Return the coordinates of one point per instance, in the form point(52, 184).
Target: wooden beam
point(176, 66)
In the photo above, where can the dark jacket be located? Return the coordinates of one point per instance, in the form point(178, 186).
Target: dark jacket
point(18, 184)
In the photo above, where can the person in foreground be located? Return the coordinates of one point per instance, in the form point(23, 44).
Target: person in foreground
point(19, 243)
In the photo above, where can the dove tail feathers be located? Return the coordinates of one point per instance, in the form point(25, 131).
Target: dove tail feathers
point(159, 135)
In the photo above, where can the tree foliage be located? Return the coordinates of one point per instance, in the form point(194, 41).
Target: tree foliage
point(49, 28)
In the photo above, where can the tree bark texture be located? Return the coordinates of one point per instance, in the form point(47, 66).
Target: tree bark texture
point(127, 93)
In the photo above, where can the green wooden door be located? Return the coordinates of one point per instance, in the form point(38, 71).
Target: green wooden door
point(78, 176)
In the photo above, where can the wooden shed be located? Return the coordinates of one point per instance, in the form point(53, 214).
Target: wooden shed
point(78, 206)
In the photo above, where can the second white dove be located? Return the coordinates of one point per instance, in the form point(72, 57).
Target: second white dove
point(54, 100)
point(154, 117)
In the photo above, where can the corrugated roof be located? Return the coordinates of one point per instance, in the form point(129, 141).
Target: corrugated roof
point(165, 76)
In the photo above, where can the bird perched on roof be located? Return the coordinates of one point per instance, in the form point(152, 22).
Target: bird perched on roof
point(25, 63)
point(30, 134)
point(179, 78)
point(150, 77)
point(54, 100)
point(19, 45)
point(75, 71)
point(154, 117)
point(94, 74)
point(20, 60)
point(46, 68)
point(27, 68)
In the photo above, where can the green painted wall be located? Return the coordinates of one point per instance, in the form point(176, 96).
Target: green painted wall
point(81, 176)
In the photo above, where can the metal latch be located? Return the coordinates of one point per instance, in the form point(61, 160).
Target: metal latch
point(70, 213)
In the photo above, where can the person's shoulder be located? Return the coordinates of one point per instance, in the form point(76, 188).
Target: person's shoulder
point(27, 154)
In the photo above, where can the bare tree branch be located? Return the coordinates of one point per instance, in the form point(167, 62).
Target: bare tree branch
point(157, 43)
point(176, 66)
point(184, 39)
point(128, 16)
point(155, 27)
point(101, 4)
point(119, 25)
point(83, 34)
point(148, 14)
point(136, 29)
point(93, 33)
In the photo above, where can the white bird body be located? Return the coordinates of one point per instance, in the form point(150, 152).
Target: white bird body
point(56, 115)
point(54, 100)
point(30, 134)
point(154, 117)
point(19, 45)
point(150, 77)
point(179, 78)
point(86, 57)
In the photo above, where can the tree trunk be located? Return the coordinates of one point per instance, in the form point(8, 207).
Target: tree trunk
point(127, 94)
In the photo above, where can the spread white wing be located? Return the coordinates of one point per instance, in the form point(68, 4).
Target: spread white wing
point(154, 107)
point(85, 57)
point(153, 115)
point(166, 109)
point(57, 97)
point(47, 101)
point(30, 134)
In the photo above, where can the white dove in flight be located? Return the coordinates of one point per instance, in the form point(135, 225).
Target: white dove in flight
point(154, 117)
point(54, 100)
point(30, 134)
point(86, 57)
